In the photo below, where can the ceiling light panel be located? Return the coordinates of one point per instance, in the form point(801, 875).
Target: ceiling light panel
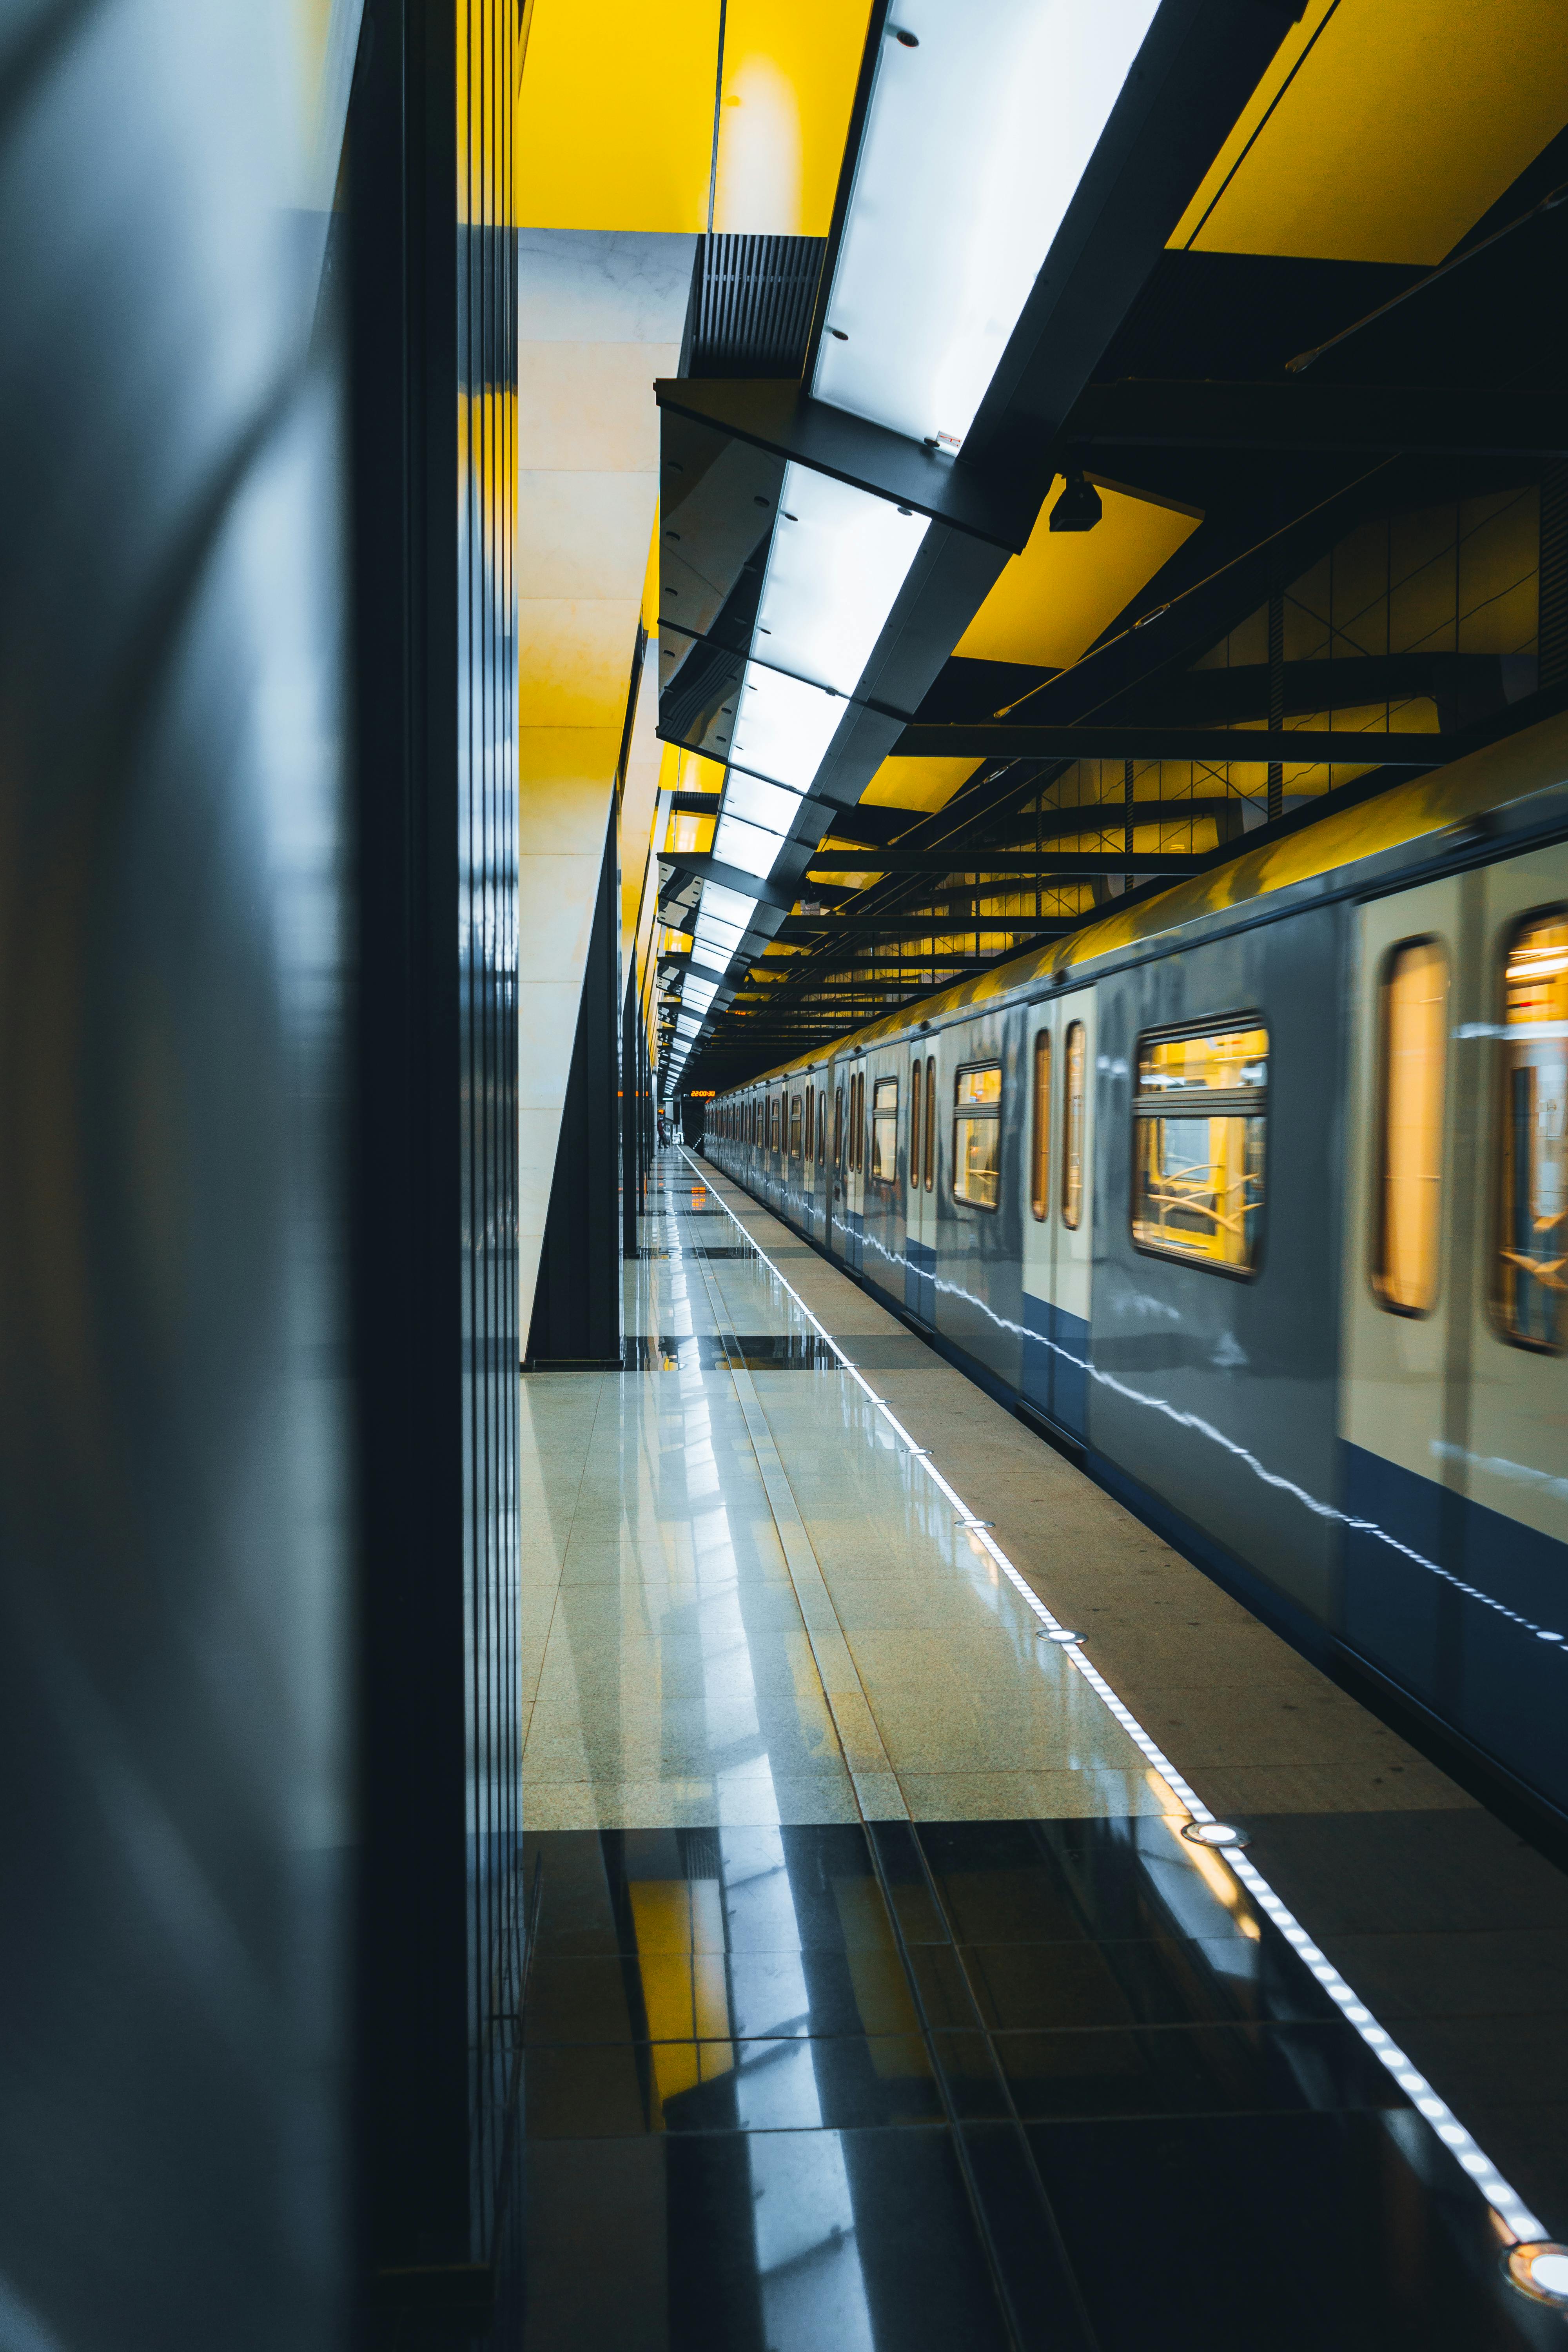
point(746, 846)
point(784, 727)
point(768, 805)
point(980, 124)
point(839, 559)
point(730, 907)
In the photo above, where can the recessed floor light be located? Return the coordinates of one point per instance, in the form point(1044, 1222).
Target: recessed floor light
point(1214, 1833)
point(1539, 2269)
point(1056, 1633)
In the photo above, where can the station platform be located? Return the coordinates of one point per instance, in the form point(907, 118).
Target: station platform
point(878, 1996)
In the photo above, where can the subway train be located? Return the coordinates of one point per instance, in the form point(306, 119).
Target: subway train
point(1254, 1195)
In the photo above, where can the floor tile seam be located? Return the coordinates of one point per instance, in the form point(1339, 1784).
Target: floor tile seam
point(778, 1490)
point(1514, 2214)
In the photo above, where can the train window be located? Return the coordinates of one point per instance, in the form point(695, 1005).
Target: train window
point(930, 1121)
point(1074, 1100)
point(838, 1128)
point(977, 1135)
point(810, 1120)
point(1040, 1177)
point(915, 1124)
point(1412, 1059)
point(857, 1121)
point(1531, 1280)
point(774, 1102)
point(1197, 1136)
point(885, 1131)
point(822, 1128)
point(795, 1127)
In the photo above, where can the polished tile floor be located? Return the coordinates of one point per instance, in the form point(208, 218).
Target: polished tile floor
point(877, 1999)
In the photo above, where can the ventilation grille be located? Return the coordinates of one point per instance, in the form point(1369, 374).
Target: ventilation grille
point(751, 305)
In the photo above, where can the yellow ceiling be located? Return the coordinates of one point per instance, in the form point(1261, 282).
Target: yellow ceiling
point(616, 119)
point(1054, 600)
point(1388, 127)
point(789, 82)
point(917, 783)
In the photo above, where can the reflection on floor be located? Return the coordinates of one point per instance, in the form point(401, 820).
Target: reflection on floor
point(877, 1999)
point(965, 2085)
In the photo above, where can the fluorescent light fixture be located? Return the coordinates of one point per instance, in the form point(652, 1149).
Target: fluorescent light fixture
point(721, 938)
point(727, 906)
point(980, 125)
point(839, 559)
point(768, 805)
point(784, 727)
point(746, 846)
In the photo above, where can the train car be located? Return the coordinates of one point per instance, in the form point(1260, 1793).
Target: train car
point(1255, 1196)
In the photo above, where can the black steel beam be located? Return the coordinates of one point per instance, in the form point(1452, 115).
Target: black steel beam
point(1008, 865)
point(826, 929)
point(728, 878)
point(1463, 420)
point(1006, 739)
point(778, 414)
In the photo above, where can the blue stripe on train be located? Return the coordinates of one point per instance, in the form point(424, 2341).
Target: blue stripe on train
point(1465, 1654)
point(1056, 1363)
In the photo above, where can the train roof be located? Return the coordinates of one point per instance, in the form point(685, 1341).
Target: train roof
point(1515, 768)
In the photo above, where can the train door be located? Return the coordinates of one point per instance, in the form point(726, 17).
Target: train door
point(1515, 1433)
point(923, 1129)
point(1059, 1065)
point(1406, 1261)
point(855, 1145)
point(821, 1177)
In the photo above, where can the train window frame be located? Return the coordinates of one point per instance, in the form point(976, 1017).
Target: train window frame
point(973, 1115)
point(915, 1073)
point(809, 1152)
point(930, 1124)
point(1378, 1223)
point(1532, 918)
point(1040, 1138)
point(1218, 1025)
point(775, 1122)
point(796, 1117)
point(884, 1118)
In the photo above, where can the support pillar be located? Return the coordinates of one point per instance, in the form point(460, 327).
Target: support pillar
point(576, 1320)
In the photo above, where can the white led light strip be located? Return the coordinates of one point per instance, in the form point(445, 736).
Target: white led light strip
point(1512, 2212)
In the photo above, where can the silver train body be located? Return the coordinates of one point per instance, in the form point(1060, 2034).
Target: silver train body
point(1387, 1484)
